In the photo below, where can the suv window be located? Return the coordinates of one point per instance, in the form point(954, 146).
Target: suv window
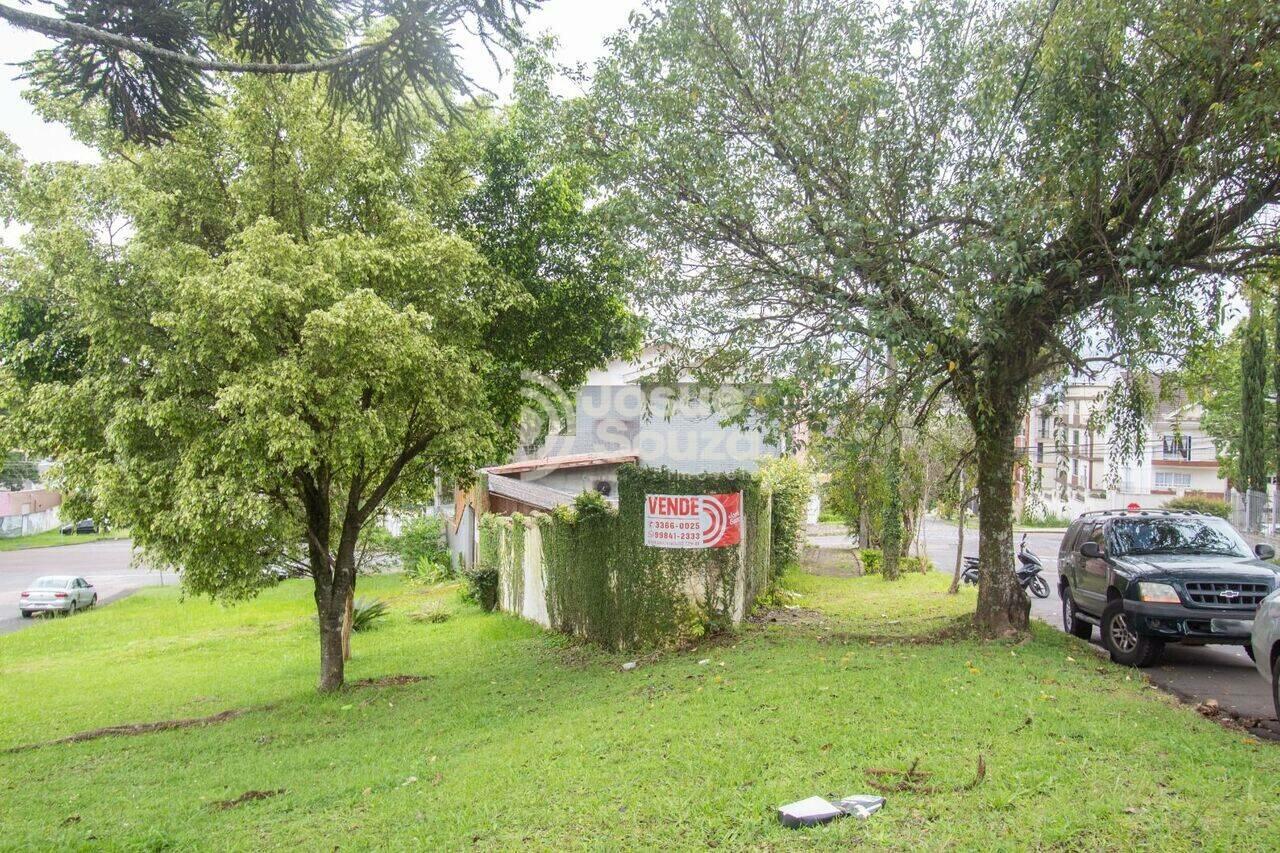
point(1071, 541)
point(1176, 535)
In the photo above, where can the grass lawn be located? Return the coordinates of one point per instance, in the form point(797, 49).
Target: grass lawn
point(518, 738)
point(50, 538)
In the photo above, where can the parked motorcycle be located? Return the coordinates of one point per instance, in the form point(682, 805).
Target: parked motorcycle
point(1028, 571)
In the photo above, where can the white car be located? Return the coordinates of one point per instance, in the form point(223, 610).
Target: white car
point(1266, 643)
point(57, 594)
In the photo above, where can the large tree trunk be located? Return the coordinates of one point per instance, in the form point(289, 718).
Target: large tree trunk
point(348, 613)
point(332, 663)
point(1003, 608)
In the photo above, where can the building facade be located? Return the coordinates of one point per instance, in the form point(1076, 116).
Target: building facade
point(1068, 466)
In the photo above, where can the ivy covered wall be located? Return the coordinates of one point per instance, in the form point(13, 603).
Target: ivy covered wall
point(602, 583)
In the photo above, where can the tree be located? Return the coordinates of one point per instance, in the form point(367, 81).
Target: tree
point(1211, 376)
point(985, 188)
point(304, 327)
point(1253, 405)
point(1273, 290)
point(149, 61)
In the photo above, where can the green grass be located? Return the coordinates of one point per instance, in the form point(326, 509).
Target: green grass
point(51, 538)
point(521, 739)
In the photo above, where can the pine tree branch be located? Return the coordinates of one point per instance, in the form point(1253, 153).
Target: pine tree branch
point(62, 29)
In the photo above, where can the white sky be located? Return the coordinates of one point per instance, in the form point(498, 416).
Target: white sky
point(580, 25)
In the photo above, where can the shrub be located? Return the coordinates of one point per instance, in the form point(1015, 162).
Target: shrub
point(791, 483)
point(872, 561)
point(422, 538)
point(430, 570)
point(923, 565)
point(1207, 505)
point(482, 586)
point(433, 613)
point(366, 613)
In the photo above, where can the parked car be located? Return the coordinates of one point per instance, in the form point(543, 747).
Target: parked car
point(1265, 648)
point(57, 594)
point(1151, 577)
point(83, 526)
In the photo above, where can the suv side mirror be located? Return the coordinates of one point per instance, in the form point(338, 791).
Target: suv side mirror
point(1091, 550)
point(1263, 551)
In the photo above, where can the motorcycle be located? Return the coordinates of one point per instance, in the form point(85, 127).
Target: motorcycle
point(1028, 571)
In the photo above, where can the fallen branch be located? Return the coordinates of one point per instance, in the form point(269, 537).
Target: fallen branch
point(131, 729)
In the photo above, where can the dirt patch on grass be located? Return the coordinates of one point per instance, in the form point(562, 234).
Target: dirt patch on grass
point(389, 681)
point(916, 781)
point(247, 797)
point(131, 729)
point(952, 630)
point(787, 616)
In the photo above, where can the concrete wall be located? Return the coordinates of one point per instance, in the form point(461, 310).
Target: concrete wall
point(28, 511)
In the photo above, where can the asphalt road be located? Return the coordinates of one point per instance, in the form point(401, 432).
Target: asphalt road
point(1194, 674)
point(108, 565)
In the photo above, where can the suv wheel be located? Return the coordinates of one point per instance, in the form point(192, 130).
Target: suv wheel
point(1275, 681)
point(1127, 646)
point(1072, 624)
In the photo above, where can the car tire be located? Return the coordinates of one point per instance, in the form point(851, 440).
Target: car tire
point(71, 611)
point(1275, 681)
point(1126, 646)
point(93, 602)
point(1071, 623)
point(27, 614)
point(1248, 650)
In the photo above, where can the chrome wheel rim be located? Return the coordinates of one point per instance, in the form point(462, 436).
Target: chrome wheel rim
point(1122, 636)
point(1068, 614)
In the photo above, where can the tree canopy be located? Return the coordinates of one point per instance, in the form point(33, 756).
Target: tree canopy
point(150, 61)
point(984, 189)
point(306, 322)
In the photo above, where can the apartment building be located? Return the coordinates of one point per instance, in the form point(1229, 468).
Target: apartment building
point(1069, 469)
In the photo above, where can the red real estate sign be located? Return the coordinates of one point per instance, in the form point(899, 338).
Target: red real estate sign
point(693, 521)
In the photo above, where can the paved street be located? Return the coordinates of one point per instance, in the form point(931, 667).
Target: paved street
point(107, 565)
point(1224, 673)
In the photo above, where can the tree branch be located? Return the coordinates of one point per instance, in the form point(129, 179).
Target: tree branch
point(62, 29)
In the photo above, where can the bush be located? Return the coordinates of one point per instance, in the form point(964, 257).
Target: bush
point(1209, 506)
point(422, 539)
point(791, 483)
point(482, 587)
point(872, 561)
point(430, 570)
point(923, 565)
point(433, 613)
point(366, 613)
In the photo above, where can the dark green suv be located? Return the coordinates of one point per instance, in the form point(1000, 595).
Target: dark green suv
point(1151, 577)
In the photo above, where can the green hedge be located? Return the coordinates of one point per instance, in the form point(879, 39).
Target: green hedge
point(790, 484)
point(1209, 506)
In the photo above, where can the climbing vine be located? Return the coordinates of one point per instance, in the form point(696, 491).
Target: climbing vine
point(605, 585)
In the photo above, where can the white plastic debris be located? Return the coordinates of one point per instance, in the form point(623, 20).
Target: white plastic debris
point(816, 810)
point(629, 665)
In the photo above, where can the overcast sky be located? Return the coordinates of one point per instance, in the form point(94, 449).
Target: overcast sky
point(580, 25)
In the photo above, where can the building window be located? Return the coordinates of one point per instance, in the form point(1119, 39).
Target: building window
point(1172, 480)
point(1040, 451)
point(1176, 447)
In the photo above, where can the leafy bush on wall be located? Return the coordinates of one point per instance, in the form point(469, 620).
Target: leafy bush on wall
point(605, 585)
point(790, 484)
